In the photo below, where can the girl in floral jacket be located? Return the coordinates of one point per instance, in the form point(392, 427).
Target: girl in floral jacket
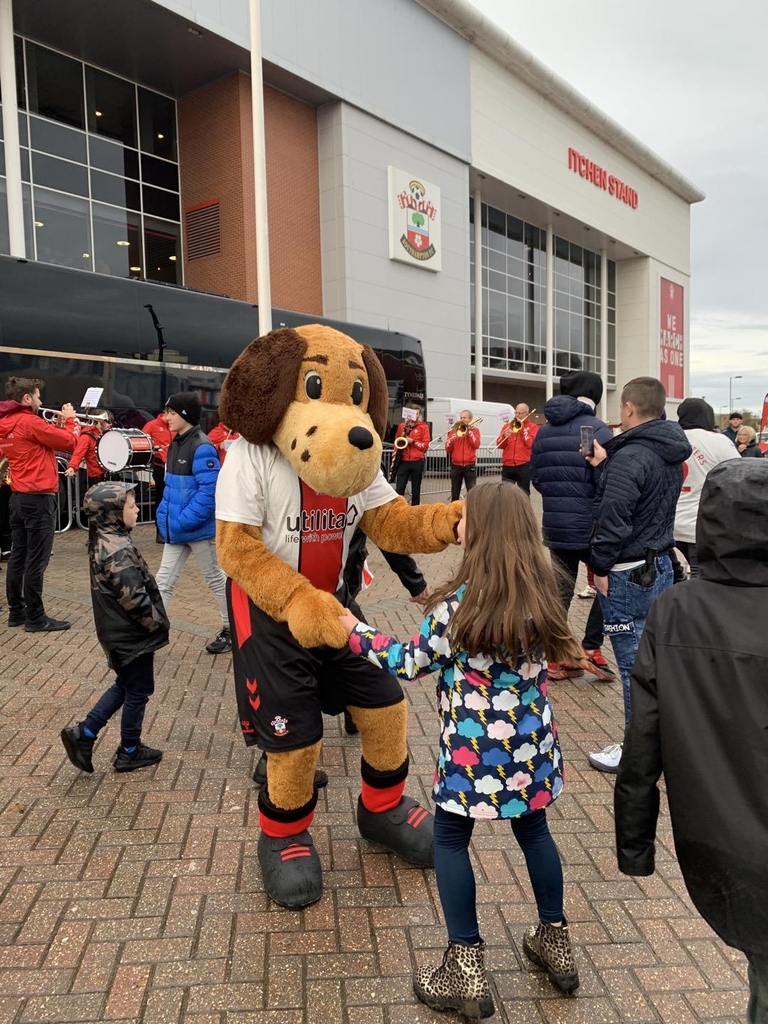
point(490, 632)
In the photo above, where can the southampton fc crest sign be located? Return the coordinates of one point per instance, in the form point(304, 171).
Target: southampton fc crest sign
point(414, 220)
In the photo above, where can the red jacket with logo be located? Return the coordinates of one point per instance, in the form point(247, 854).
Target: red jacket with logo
point(516, 448)
point(463, 450)
point(85, 449)
point(30, 444)
point(161, 436)
point(419, 435)
point(221, 437)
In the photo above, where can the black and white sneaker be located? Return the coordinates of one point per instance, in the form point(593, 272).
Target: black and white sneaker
point(221, 643)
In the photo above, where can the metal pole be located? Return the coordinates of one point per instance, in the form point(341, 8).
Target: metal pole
point(550, 359)
point(18, 244)
point(604, 331)
point(478, 207)
point(259, 174)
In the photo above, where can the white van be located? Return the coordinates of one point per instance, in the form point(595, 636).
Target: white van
point(492, 414)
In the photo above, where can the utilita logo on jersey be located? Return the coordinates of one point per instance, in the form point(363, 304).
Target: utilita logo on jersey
point(320, 525)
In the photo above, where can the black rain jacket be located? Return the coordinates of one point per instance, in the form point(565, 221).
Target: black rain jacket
point(700, 716)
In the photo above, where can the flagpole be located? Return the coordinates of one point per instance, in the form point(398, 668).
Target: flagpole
point(260, 174)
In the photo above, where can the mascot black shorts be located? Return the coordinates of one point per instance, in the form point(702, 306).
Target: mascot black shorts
point(284, 689)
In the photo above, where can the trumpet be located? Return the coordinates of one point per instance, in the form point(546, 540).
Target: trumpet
point(514, 427)
point(55, 415)
point(462, 428)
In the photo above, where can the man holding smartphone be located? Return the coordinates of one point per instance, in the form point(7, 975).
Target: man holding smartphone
point(634, 526)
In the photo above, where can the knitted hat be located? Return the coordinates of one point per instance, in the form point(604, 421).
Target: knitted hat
point(187, 405)
point(582, 384)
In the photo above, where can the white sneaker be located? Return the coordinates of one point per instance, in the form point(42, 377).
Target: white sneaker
point(587, 592)
point(607, 760)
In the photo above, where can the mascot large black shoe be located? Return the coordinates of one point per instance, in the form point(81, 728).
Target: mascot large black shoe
point(311, 406)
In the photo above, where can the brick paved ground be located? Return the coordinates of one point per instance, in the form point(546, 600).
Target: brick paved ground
point(137, 898)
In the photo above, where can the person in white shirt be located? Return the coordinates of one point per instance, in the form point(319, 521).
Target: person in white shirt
point(697, 418)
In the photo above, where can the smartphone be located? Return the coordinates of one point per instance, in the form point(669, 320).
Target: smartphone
point(587, 441)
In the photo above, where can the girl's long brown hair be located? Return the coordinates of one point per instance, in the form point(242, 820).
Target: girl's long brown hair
point(512, 598)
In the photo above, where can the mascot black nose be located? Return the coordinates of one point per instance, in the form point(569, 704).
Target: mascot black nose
point(360, 438)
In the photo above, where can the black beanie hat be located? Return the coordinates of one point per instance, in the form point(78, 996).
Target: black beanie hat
point(186, 404)
point(582, 384)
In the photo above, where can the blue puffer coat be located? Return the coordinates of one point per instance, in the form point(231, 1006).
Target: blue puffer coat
point(188, 511)
point(637, 496)
point(563, 476)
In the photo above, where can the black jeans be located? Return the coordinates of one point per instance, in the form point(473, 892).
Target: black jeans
point(456, 880)
point(412, 471)
point(466, 475)
point(689, 553)
point(568, 561)
point(33, 518)
point(520, 475)
point(5, 517)
point(133, 686)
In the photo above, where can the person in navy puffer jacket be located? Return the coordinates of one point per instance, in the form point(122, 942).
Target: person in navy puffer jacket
point(567, 484)
point(186, 516)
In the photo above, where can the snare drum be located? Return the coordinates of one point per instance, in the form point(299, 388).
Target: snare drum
point(120, 449)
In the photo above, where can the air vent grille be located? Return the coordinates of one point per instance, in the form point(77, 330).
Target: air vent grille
point(203, 231)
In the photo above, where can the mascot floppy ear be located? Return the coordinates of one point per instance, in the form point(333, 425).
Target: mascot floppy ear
point(378, 401)
point(261, 383)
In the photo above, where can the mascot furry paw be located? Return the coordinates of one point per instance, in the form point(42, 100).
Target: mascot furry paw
point(310, 406)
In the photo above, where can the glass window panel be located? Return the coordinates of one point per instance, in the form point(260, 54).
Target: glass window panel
point(497, 305)
point(577, 304)
point(515, 267)
point(515, 286)
point(472, 308)
point(576, 255)
point(55, 85)
point(471, 210)
point(561, 249)
point(591, 337)
point(611, 315)
point(159, 203)
point(611, 342)
point(59, 174)
point(562, 283)
point(611, 276)
point(485, 277)
point(515, 232)
point(53, 138)
point(496, 260)
point(108, 188)
point(21, 89)
point(62, 230)
point(162, 251)
point(472, 270)
point(515, 308)
point(498, 353)
point(532, 237)
point(562, 301)
point(25, 175)
point(111, 106)
point(497, 281)
point(157, 122)
point(561, 330)
point(589, 266)
point(23, 130)
point(159, 172)
point(576, 334)
point(497, 229)
point(108, 156)
point(515, 356)
point(111, 230)
point(5, 238)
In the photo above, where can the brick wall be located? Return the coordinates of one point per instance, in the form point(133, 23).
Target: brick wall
point(216, 159)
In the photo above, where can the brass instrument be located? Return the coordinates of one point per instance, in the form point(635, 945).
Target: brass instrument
point(461, 428)
point(400, 444)
point(514, 427)
point(55, 415)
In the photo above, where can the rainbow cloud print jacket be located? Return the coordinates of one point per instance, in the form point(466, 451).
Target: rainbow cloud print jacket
point(499, 753)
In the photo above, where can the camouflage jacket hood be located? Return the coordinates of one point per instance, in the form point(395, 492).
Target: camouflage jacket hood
point(127, 608)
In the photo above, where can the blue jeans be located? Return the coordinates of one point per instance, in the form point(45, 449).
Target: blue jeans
point(456, 881)
point(133, 686)
point(625, 610)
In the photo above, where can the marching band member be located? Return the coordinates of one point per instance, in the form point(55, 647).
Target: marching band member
point(162, 436)
point(85, 449)
point(411, 465)
point(462, 444)
point(221, 437)
point(30, 445)
point(515, 447)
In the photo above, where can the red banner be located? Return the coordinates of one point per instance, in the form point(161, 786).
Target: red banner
point(671, 340)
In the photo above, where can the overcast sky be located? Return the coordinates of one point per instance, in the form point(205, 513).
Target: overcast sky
point(690, 79)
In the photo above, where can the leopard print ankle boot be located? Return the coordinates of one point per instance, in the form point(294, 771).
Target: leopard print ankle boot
point(550, 947)
point(459, 983)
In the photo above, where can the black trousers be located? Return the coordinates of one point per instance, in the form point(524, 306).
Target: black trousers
point(520, 475)
point(33, 518)
point(133, 686)
point(412, 471)
point(568, 561)
point(5, 517)
point(462, 475)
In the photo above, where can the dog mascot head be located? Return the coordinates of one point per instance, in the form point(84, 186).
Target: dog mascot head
point(320, 397)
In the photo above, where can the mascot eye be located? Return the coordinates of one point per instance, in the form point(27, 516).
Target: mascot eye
point(357, 392)
point(313, 385)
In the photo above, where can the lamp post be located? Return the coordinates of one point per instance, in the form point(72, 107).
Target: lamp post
point(263, 283)
point(730, 392)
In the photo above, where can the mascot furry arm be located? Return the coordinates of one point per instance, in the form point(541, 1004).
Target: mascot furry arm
point(321, 399)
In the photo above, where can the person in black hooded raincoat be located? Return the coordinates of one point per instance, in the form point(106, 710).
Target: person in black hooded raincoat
point(700, 716)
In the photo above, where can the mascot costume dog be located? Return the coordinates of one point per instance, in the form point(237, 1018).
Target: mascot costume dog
point(311, 407)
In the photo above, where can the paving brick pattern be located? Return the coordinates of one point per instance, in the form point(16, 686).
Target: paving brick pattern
point(137, 897)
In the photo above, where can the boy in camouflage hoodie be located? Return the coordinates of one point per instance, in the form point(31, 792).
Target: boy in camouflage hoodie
point(131, 625)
